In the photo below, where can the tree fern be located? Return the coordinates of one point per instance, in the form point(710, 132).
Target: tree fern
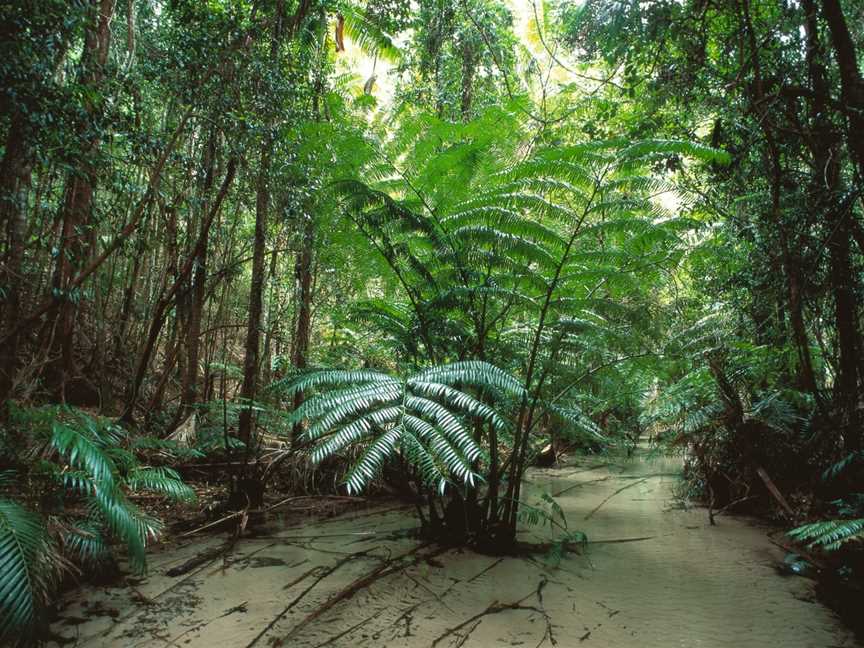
point(426, 417)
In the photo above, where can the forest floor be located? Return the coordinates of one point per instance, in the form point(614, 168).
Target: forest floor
point(655, 573)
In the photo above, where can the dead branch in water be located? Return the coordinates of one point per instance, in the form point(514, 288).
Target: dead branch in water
point(382, 571)
point(267, 509)
point(496, 608)
point(620, 490)
point(322, 574)
point(580, 484)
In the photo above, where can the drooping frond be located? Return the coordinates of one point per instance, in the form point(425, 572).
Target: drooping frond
point(427, 417)
point(29, 568)
point(830, 534)
point(367, 34)
point(163, 480)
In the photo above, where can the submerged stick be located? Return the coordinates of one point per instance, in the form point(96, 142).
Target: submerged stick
point(382, 571)
point(620, 490)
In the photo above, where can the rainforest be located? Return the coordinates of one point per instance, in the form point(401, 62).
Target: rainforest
point(432, 323)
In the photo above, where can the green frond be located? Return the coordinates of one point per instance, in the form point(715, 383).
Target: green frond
point(163, 480)
point(328, 378)
point(368, 35)
point(838, 467)
point(649, 149)
point(369, 464)
point(128, 523)
point(381, 413)
point(419, 455)
point(86, 542)
point(82, 452)
point(475, 373)
point(830, 534)
point(29, 568)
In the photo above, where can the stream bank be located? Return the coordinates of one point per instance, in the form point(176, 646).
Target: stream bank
point(655, 574)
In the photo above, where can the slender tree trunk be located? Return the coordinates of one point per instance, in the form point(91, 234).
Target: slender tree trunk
point(76, 212)
point(469, 67)
point(14, 185)
point(303, 279)
point(256, 296)
point(826, 186)
point(851, 82)
point(165, 300)
point(251, 360)
point(272, 317)
point(197, 289)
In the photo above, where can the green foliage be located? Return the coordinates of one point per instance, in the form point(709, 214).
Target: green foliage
point(86, 468)
point(547, 512)
point(426, 418)
point(30, 566)
point(830, 534)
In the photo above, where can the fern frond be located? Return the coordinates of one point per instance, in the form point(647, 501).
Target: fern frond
point(163, 480)
point(29, 568)
point(830, 534)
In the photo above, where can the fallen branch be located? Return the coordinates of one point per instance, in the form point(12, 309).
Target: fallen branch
point(267, 509)
point(496, 608)
point(620, 490)
point(488, 569)
point(775, 492)
point(348, 631)
point(202, 558)
point(621, 540)
point(209, 525)
point(798, 550)
point(382, 571)
point(580, 484)
point(321, 576)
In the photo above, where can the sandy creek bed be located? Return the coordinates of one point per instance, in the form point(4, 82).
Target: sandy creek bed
point(687, 585)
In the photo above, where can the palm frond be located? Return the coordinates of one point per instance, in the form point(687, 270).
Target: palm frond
point(830, 534)
point(29, 568)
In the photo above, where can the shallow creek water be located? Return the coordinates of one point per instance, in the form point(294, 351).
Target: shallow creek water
point(674, 581)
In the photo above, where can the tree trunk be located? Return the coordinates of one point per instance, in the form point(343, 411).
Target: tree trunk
point(197, 289)
point(851, 83)
point(469, 67)
point(251, 360)
point(158, 316)
point(825, 186)
point(14, 185)
point(303, 278)
point(74, 245)
point(256, 294)
point(272, 317)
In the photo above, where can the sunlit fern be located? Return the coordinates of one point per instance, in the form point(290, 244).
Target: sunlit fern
point(477, 232)
point(426, 418)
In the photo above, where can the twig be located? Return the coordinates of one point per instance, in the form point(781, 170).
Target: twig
point(346, 593)
point(211, 524)
point(323, 574)
point(580, 484)
point(335, 638)
point(488, 569)
point(268, 509)
point(496, 608)
point(620, 490)
point(621, 540)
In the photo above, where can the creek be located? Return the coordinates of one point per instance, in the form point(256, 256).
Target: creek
point(654, 574)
